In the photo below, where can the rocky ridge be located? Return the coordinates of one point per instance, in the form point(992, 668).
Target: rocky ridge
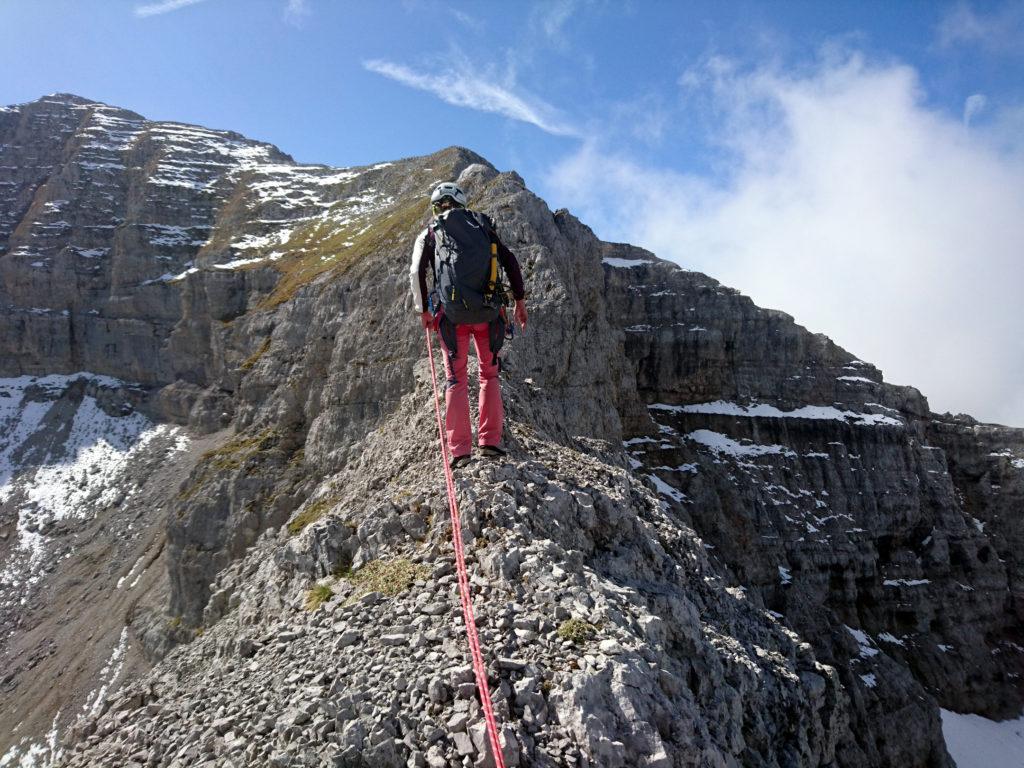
point(719, 539)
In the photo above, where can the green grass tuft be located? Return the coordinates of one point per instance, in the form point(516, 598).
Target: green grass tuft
point(576, 631)
point(252, 359)
point(233, 453)
point(311, 514)
point(324, 246)
point(230, 456)
point(317, 596)
point(389, 577)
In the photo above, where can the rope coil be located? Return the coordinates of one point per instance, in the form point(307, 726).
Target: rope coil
point(479, 670)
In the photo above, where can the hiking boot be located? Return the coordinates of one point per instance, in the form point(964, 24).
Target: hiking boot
point(492, 451)
point(459, 461)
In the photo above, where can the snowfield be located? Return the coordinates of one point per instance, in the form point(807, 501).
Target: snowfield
point(57, 464)
point(977, 742)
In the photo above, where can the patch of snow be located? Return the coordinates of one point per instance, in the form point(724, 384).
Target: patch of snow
point(890, 639)
point(785, 577)
point(56, 472)
point(174, 235)
point(182, 275)
point(167, 277)
point(108, 675)
point(136, 579)
point(864, 641)
point(91, 253)
point(977, 742)
point(238, 263)
point(906, 582)
point(819, 412)
point(856, 378)
point(719, 443)
point(336, 178)
point(101, 166)
point(136, 564)
point(250, 241)
point(665, 489)
point(614, 261)
point(869, 680)
point(639, 441)
point(25, 756)
point(883, 407)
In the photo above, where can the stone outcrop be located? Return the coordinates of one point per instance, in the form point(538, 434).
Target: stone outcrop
point(719, 539)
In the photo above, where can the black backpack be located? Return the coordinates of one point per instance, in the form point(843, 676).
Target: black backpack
point(466, 274)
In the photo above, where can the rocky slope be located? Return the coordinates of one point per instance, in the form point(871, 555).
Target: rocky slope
point(719, 539)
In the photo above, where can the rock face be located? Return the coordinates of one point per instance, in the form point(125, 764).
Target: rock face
point(719, 539)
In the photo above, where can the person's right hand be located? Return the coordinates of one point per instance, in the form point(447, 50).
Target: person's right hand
point(520, 313)
point(427, 319)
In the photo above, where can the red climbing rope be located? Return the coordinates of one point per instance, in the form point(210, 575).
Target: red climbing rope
point(460, 561)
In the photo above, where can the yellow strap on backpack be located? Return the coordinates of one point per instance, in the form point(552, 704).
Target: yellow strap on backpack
point(492, 283)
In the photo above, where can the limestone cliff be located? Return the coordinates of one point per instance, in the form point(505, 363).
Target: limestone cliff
point(719, 538)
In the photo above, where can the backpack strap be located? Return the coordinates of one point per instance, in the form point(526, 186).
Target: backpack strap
point(492, 277)
point(433, 258)
point(446, 328)
point(486, 224)
point(496, 337)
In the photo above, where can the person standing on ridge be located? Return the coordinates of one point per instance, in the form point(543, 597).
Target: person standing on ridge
point(463, 251)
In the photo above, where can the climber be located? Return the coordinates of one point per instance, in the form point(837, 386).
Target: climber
point(463, 251)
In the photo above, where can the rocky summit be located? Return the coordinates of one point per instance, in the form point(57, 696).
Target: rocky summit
point(718, 538)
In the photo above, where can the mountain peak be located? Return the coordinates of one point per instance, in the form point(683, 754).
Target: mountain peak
point(709, 517)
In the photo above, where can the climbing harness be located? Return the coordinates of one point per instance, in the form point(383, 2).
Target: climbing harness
point(460, 561)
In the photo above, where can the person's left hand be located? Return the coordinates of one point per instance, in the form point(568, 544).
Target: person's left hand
point(520, 313)
point(427, 320)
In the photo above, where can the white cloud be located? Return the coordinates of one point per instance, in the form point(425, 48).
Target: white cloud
point(644, 118)
point(855, 207)
point(973, 106)
point(1001, 31)
point(464, 18)
point(296, 11)
point(551, 17)
point(468, 90)
point(166, 6)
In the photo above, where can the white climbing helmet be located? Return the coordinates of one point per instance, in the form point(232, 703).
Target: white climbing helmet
point(448, 189)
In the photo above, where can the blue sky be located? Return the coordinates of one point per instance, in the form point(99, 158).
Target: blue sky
point(859, 165)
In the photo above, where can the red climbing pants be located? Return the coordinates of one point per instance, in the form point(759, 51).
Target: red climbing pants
point(456, 396)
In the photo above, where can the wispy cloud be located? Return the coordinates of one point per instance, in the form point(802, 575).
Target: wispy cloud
point(465, 19)
point(851, 203)
point(296, 12)
point(974, 105)
point(551, 17)
point(166, 6)
point(1000, 31)
point(462, 89)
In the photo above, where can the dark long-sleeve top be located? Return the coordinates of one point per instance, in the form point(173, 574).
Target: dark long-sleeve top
point(423, 257)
